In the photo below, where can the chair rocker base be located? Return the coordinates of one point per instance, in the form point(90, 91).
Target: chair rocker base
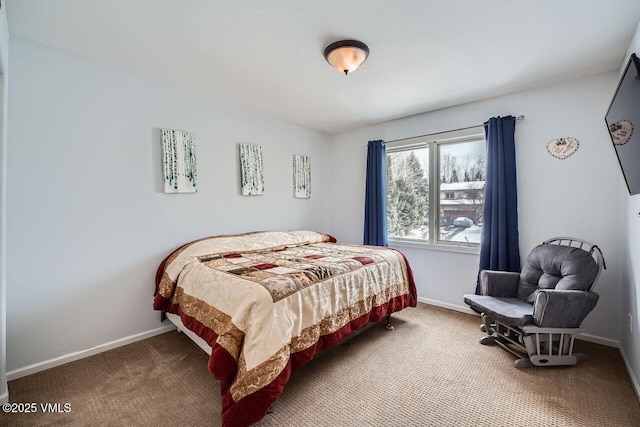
point(533, 346)
point(488, 340)
point(522, 361)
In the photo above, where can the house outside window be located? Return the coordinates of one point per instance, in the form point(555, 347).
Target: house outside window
point(435, 188)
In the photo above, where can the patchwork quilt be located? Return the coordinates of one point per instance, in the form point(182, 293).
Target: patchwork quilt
point(267, 302)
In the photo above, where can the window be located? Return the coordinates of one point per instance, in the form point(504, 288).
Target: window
point(435, 188)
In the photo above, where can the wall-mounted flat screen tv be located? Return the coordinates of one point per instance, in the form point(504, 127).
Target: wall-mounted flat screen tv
point(623, 123)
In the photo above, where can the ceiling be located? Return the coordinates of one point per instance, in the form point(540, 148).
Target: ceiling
point(267, 55)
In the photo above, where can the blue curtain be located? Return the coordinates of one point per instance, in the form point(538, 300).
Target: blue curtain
point(499, 246)
point(375, 203)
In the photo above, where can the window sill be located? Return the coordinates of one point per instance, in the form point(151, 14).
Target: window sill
point(474, 250)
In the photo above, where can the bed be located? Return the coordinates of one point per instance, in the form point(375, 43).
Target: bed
point(264, 303)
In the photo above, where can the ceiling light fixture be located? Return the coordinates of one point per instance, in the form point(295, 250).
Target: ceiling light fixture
point(346, 55)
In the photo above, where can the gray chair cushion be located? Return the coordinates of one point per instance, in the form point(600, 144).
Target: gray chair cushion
point(510, 311)
point(556, 267)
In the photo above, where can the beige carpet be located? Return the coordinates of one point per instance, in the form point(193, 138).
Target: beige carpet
point(430, 371)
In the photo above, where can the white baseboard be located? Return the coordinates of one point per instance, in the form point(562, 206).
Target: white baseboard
point(61, 360)
point(632, 377)
point(598, 340)
point(461, 308)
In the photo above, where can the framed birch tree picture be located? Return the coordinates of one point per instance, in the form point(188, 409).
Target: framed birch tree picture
point(179, 161)
point(251, 172)
point(301, 177)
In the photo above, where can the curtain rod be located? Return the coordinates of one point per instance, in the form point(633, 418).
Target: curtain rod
point(517, 119)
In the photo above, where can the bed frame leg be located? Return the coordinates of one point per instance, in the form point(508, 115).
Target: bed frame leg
point(388, 326)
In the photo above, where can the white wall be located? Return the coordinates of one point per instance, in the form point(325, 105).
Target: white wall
point(87, 221)
point(579, 196)
point(4, 78)
point(630, 255)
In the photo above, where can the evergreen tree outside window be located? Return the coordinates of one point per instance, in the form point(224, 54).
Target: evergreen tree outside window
point(407, 194)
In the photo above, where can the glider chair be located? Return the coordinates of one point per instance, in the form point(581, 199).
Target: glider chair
point(535, 314)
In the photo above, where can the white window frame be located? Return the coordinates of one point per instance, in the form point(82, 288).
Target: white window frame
point(433, 143)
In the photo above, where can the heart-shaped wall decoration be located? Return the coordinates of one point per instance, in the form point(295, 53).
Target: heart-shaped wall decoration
point(562, 148)
point(621, 131)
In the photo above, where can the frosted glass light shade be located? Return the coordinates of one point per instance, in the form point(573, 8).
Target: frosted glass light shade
point(346, 55)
